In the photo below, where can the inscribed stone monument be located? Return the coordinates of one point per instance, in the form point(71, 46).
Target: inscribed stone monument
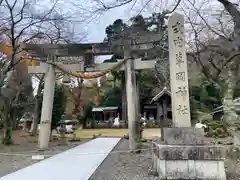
point(183, 153)
point(178, 72)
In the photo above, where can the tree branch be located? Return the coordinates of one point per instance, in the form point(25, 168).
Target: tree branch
point(233, 11)
point(108, 7)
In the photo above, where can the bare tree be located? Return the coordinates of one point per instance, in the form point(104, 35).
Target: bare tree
point(216, 48)
point(34, 125)
point(22, 22)
point(215, 42)
point(75, 91)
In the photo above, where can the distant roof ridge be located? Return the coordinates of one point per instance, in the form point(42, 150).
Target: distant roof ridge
point(163, 91)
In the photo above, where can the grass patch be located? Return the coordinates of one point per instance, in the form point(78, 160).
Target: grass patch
point(88, 133)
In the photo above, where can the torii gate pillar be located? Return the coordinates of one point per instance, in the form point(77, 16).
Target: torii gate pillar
point(132, 103)
point(47, 105)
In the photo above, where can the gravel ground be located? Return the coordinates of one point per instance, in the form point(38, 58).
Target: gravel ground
point(125, 165)
point(15, 161)
point(119, 165)
point(18, 156)
point(132, 166)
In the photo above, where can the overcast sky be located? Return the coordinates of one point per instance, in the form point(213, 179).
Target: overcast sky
point(96, 27)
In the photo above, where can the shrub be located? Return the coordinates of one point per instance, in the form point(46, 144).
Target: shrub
point(219, 132)
point(210, 132)
point(215, 129)
point(150, 124)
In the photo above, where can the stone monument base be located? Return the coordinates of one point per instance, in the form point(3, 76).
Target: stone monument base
point(182, 155)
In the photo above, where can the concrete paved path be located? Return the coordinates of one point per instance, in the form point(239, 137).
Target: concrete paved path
point(78, 163)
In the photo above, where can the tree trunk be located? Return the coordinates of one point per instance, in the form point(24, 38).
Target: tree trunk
point(138, 125)
point(34, 125)
point(15, 119)
point(7, 139)
point(124, 99)
point(84, 124)
point(50, 136)
point(230, 115)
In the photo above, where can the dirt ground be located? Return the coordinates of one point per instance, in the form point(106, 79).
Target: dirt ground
point(19, 155)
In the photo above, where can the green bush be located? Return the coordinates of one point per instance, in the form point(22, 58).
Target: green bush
point(87, 116)
point(215, 125)
point(206, 121)
point(215, 129)
point(210, 132)
point(219, 132)
point(58, 105)
point(152, 124)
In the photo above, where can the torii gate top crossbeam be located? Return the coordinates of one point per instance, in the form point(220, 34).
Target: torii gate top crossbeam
point(140, 43)
point(67, 49)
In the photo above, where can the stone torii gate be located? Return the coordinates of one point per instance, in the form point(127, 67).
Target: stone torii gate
point(51, 53)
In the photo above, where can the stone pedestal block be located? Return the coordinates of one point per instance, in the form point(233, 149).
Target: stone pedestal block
point(183, 136)
point(183, 156)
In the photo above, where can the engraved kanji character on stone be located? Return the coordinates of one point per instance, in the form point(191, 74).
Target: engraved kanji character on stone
point(182, 109)
point(179, 59)
point(178, 42)
point(180, 76)
point(182, 91)
point(177, 28)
